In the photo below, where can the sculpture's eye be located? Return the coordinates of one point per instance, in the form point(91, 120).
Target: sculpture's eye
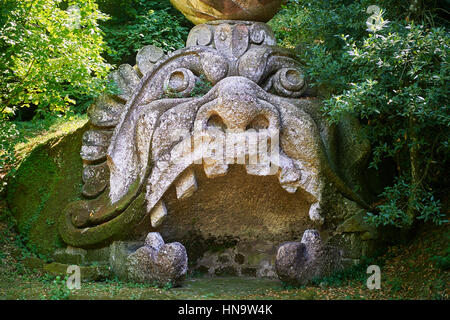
point(180, 82)
point(289, 82)
point(259, 122)
point(217, 122)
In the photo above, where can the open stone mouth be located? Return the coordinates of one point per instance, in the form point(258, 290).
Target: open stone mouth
point(254, 116)
point(255, 151)
point(206, 142)
point(235, 123)
point(235, 205)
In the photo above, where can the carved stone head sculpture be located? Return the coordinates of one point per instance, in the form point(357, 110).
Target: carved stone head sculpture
point(219, 140)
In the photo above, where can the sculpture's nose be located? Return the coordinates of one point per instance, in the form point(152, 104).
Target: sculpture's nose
point(239, 106)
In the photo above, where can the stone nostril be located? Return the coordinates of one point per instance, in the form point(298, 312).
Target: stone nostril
point(216, 121)
point(259, 122)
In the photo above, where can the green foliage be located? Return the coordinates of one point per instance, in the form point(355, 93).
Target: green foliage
point(50, 54)
point(392, 74)
point(9, 136)
point(354, 273)
point(400, 88)
point(398, 198)
point(58, 289)
point(141, 23)
point(202, 86)
point(442, 262)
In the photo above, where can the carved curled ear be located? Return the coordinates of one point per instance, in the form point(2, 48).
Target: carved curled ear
point(289, 82)
point(181, 64)
point(180, 82)
point(273, 67)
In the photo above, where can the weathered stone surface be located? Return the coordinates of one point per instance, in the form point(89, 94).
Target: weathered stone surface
point(140, 265)
point(70, 255)
point(157, 262)
point(158, 214)
point(154, 241)
point(88, 273)
point(140, 179)
point(171, 264)
point(105, 112)
point(297, 263)
point(356, 223)
point(119, 253)
point(147, 57)
point(186, 185)
point(48, 179)
point(95, 145)
point(126, 79)
point(214, 143)
point(95, 178)
point(253, 258)
point(201, 11)
point(98, 255)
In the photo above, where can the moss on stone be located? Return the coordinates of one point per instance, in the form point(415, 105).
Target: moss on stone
point(88, 273)
point(46, 180)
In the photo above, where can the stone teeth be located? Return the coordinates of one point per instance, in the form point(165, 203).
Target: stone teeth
point(289, 176)
point(158, 214)
point(216, 169)
point(289, 188)
point(315, 213)
point(186, 184)
point(259, 169)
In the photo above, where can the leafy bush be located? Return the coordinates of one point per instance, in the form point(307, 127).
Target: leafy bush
point(398, 198)
point(49, 54)
point(140, 23)
point(400, 89)
point(442, 262)
point(391, 73)
point(9, 136)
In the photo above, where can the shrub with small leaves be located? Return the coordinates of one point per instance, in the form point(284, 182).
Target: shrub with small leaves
point(50, 54)
point(9, 136)
point(388, 66)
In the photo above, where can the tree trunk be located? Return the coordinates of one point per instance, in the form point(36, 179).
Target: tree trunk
point(414, 158)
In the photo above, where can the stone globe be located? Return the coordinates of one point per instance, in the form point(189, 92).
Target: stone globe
point(201, 11)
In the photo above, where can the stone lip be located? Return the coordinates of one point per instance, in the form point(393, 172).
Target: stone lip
point(201, 11)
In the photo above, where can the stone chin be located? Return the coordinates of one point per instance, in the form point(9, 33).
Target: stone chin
point(167, 160)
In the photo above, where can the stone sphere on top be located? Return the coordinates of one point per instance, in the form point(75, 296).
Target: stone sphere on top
point(202, 11)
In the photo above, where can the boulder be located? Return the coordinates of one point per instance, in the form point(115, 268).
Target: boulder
point(298, 263)
point(158, 263)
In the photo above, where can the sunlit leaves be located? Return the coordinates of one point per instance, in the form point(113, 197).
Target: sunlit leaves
point(50, 56)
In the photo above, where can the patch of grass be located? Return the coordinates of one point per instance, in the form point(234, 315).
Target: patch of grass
point(442, 262)
point(356, 273)
point(38, 131)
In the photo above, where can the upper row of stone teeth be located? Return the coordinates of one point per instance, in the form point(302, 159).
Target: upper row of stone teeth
point(186, 184)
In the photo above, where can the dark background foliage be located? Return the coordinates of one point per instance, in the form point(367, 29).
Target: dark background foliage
point(136, 23)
